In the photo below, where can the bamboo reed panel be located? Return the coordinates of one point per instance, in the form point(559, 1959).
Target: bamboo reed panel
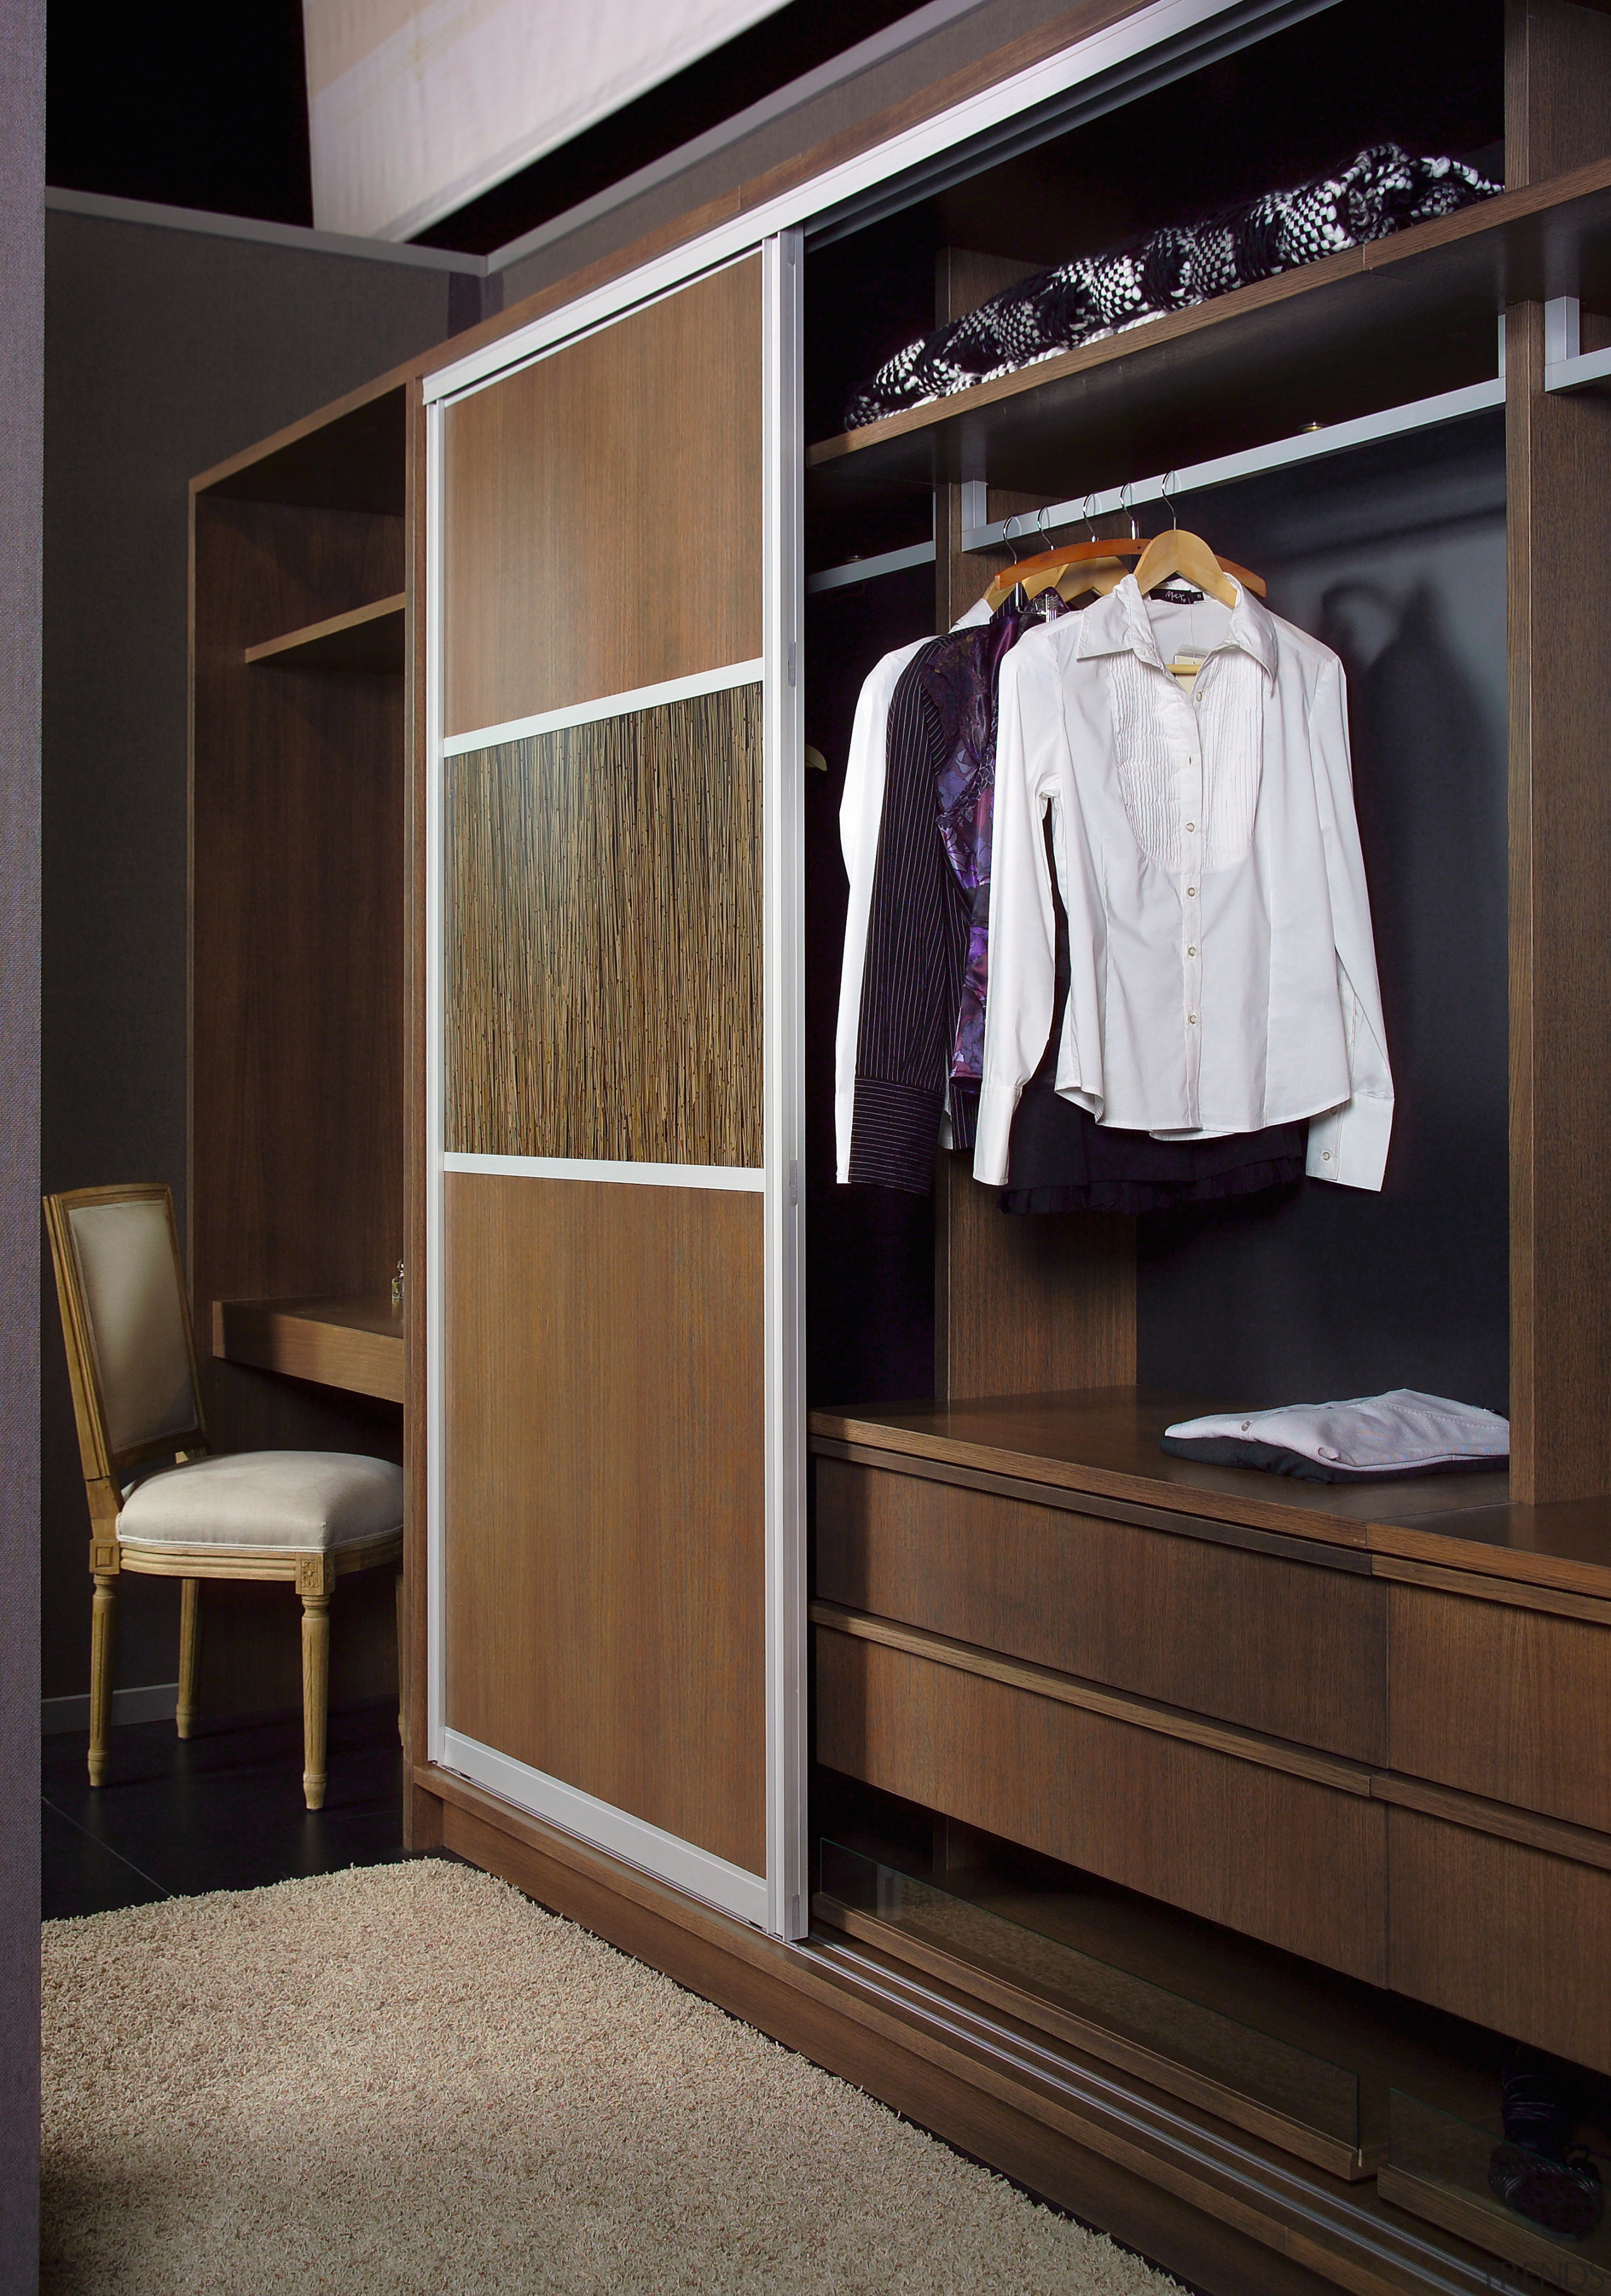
point(603, 939)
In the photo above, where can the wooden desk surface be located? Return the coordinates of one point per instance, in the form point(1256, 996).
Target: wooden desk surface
point(1105, 1440)
point(356, 1343)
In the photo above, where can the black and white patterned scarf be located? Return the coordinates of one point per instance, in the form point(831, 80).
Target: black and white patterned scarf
point(1383, 190)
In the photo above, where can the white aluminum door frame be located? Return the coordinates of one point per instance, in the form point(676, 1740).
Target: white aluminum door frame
point(779, 1900)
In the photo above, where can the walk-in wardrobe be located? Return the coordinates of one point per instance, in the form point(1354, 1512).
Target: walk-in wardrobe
point(798, 1592)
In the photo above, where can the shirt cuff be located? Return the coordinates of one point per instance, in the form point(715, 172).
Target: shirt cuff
point(895, 1135)
point(992, 1134)
point(1349, 1145)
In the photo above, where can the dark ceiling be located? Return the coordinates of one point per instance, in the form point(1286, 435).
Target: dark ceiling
point(206, 107)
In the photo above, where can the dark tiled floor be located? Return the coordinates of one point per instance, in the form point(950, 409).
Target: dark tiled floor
point(222, 1810)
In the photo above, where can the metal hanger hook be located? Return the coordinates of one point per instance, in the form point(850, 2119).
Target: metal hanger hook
point(1165, 483)
point(1127, 510)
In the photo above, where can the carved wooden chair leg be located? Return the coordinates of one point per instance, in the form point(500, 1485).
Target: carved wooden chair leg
point(401, 1663)
point(315, 1580)
point(190, 1625)
point(103, 1620)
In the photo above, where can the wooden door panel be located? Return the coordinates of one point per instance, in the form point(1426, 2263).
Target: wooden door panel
point(604, 511)
point(604, 1547)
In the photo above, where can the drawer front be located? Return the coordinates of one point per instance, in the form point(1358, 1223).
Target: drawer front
point(1299, 1865)
point(1294, 1651)
point(1505, 1935)
point(1511, 1704)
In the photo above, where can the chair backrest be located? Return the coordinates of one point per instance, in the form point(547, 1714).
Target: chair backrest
point(120, 1283)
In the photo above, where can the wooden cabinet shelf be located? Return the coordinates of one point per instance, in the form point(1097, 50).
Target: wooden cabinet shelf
point(368, 637)
point(1373, 326)
point(1102, 1445)
point(352, 1343)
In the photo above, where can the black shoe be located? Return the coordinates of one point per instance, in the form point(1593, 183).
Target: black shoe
point(1564, 2193)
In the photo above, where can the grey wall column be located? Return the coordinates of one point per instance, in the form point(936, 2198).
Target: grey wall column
point(21, 487)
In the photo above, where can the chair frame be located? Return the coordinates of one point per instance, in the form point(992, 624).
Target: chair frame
point(313, 1574)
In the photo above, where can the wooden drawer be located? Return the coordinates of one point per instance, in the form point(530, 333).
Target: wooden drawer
point(1506, 1935)
point(1298, 1863)
point(1505, 1702)
point(1292, 1649)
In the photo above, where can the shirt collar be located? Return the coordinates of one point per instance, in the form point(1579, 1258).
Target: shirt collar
point(1120, 620)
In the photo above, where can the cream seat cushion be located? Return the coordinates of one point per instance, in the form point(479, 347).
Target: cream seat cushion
point(318, 1499)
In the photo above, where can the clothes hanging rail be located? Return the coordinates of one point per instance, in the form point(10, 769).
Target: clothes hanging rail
point(868, 569)
point(1224, 470)
point(1567, 366)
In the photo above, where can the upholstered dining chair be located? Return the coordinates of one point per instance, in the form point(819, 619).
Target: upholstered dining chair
point(306, 1516)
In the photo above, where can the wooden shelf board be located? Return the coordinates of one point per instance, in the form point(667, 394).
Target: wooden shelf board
point(352, 1343)
point(348, 457)
point(1105, 1440)
point(368, 637)
point(1368, 328)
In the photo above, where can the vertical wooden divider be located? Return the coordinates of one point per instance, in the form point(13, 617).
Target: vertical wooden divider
point(1022, 1305)
point(1557, 103)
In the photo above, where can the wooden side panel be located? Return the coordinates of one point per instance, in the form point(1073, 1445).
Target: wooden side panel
point(1249, 1638)
point(604, 1432)
point(594, 546)
point(603, 963)
point(1028, 1306)
point(1506, 1935)
point(296, 1180)
point(1558, 88)
point(1299, 1865)
point(1506, 1703)
point(1558, 115)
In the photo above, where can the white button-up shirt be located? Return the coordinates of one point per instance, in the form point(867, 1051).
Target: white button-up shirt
point(1208, 855)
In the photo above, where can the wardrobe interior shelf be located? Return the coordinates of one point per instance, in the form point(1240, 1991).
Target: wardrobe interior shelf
point(1104, 1442)
point(368, 637)
point(354, 1343)
point(348, 458)
point(1405, 318)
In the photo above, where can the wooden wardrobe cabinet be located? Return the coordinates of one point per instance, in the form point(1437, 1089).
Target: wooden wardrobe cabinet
point(515, 943)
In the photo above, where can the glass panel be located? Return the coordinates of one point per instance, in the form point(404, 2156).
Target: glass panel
point(603, 938)
point(1299, 2101)
point(1439, 2167)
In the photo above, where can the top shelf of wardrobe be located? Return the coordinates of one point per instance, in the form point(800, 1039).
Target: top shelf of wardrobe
point(1400, 319)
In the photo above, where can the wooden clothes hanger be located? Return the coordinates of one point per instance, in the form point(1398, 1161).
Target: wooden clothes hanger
point(1099, 565)
point(1049, 569)
point(1177, 552)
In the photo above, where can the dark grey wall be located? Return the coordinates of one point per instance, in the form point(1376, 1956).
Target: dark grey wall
point(21, 362)
point(166, 350)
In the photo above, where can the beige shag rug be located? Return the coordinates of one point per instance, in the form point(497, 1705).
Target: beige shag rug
point(409, 2078)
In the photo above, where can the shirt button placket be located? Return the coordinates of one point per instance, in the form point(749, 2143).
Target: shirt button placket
point(1192, 937)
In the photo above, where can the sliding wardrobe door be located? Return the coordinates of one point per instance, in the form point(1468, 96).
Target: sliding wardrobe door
point(613, 1088)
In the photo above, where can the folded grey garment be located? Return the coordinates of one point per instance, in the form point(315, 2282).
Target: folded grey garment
point(1402, 1433)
